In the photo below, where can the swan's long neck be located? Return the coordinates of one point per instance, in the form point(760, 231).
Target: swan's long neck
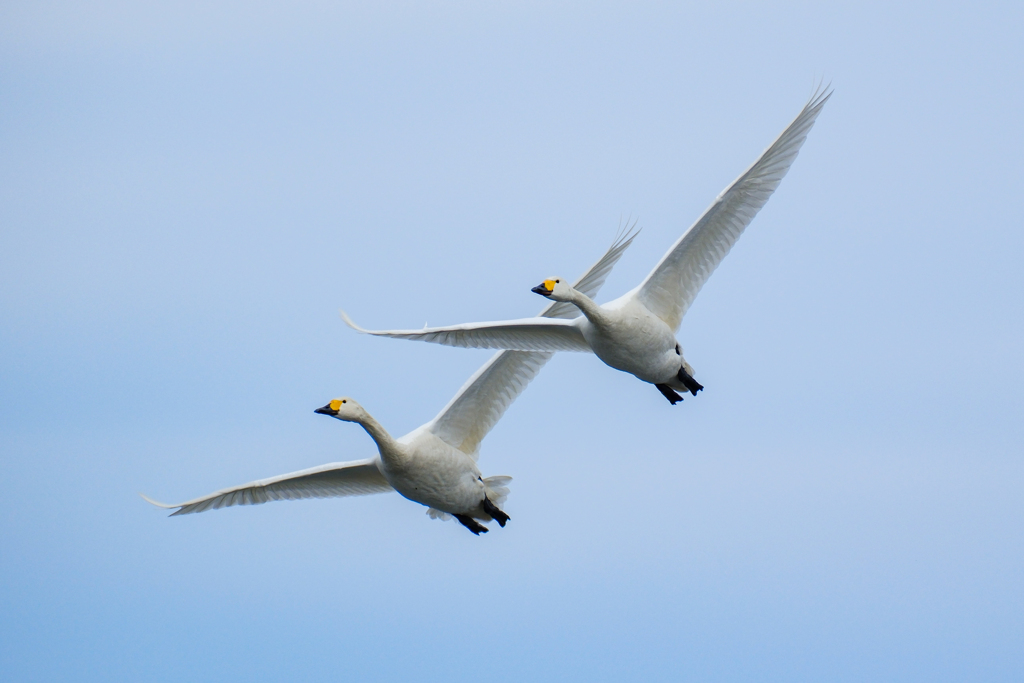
point(587, 306)
point(387, 446)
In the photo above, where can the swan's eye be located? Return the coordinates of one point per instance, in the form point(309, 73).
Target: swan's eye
point(557, 281)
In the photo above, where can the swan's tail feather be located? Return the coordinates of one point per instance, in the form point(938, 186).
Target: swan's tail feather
point(498, 488)
point(437, 514)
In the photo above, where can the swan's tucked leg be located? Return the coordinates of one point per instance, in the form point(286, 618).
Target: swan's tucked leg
point(669, 393)
point(492, 509)
point(689, 382)
point(471, 524)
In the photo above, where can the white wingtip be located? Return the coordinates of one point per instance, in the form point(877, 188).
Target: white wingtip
point(165, 506)
point(348, 321)
point(630, 233)
point(822, 92)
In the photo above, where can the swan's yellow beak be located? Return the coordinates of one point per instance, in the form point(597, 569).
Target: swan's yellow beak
point(329, 409)
point(545, 288)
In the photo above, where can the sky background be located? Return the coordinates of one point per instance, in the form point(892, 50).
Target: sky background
point(189, 191)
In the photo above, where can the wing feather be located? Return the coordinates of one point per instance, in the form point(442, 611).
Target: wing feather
point(485, 397)
point(356, 478)
point(550, 330)
point(674, 283)
point(527, 334)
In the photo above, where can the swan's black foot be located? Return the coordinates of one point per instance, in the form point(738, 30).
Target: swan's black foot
point(471, 524)
point(692, 385)
point(669, 393)
point(492, 509)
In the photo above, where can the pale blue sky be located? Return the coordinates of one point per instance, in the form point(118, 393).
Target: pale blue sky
point(190, 191)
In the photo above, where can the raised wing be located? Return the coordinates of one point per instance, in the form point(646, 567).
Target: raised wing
point(481, 402)
point(549, 331)
point(674, 283)
point(527, 334)
point(356, 478)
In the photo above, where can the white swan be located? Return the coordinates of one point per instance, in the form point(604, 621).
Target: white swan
point(636, 332)
point(434, 464)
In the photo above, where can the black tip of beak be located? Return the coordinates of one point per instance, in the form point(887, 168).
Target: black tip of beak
point(542, 290)
point(326, 410)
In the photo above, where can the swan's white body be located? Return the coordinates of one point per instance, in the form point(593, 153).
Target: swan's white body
point(627, 336)
point(426, 469)
point(435, 464)
point(636, 332)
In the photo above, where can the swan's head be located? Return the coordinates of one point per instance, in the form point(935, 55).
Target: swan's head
point(344, 409)
point(555, 288)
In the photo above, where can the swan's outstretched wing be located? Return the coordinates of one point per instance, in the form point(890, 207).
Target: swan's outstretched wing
point(356, 478)
point(482, 401)
point(526, 334)
point(674, 283)
point(549, 331)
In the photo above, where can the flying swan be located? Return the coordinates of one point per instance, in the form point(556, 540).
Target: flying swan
point(435, 464)
point(636, 332)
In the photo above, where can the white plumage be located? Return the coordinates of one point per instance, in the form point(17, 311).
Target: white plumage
point(434, 464)
point(636, 332)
